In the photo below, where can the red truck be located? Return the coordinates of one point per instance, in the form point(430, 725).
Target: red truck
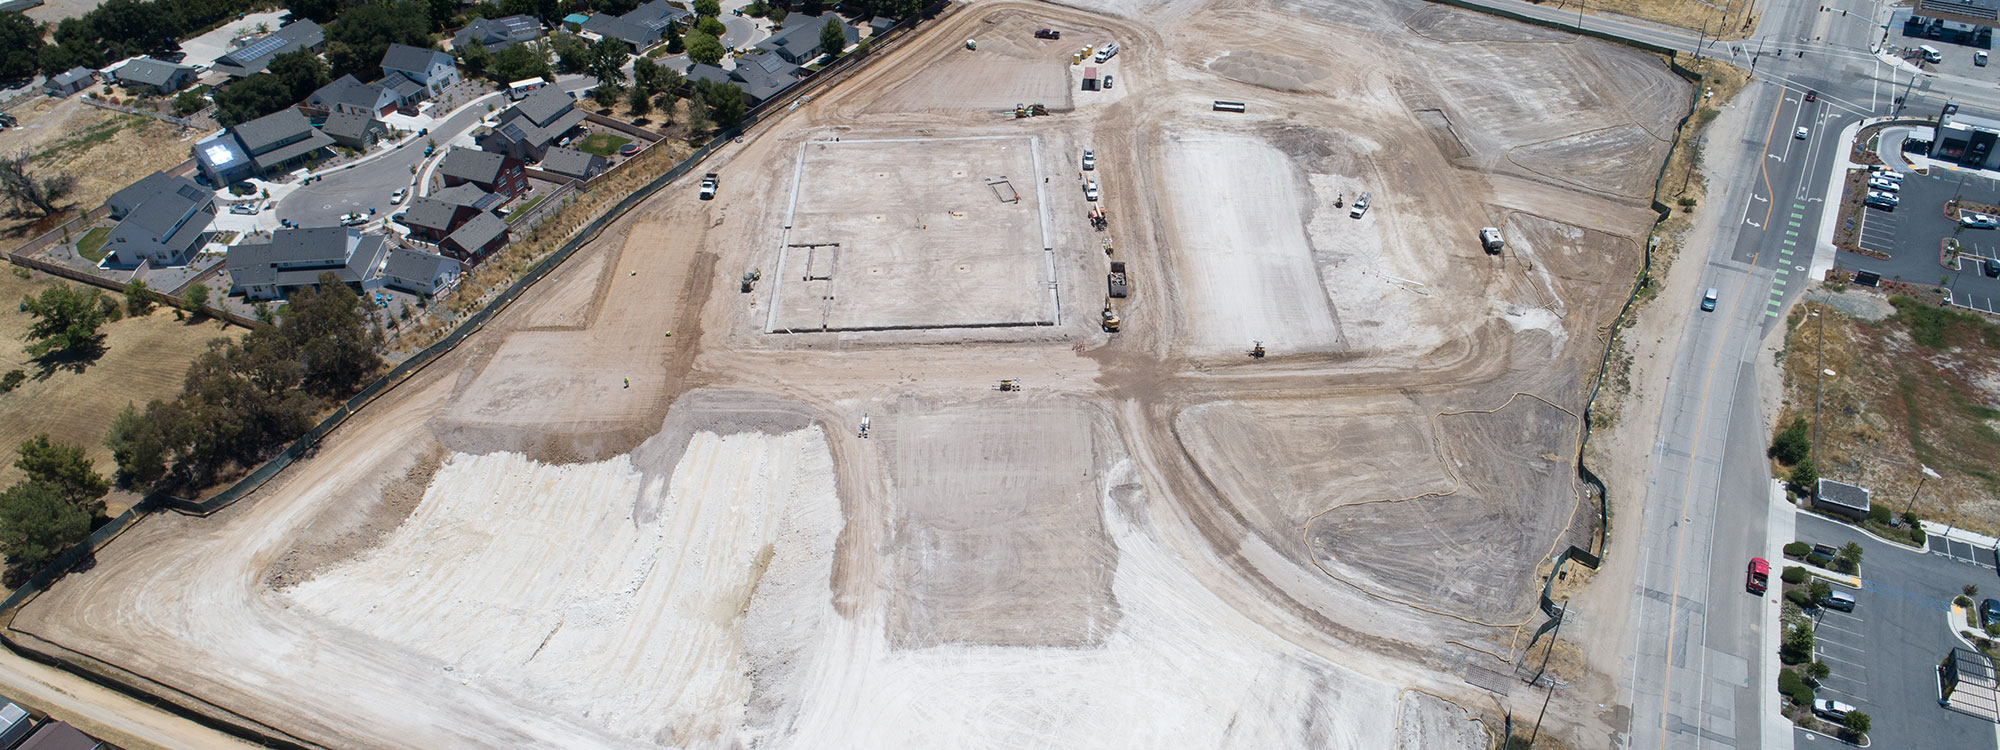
point(1759, 579)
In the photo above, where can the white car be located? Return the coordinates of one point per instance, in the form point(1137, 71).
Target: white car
point(1089, 160)
point(1887, 186)
point(353, 220)
point(1802, 133)
point(1090, 190)
point(1360, 207)
point(1832, 709)
point(396, 198)
point(1979, 221)
point(248, 209)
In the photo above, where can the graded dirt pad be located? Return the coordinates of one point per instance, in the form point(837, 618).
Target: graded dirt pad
point(1468, 553)
point(997, 530)
point(914, 233)
point(847, 538)
point(1238, 209)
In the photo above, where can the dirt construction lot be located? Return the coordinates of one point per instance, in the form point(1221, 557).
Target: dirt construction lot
point(813, 519)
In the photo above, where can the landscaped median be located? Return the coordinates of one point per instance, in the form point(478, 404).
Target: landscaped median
point(1806, 589)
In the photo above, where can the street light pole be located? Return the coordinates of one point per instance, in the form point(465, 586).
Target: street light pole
point(1928, 476)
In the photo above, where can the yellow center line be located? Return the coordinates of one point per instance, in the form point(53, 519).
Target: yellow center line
point(1687, 483)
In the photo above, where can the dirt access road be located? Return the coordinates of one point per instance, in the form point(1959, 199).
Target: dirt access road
point(1156, 541)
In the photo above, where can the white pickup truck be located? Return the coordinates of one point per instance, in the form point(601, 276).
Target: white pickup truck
point(708, 185)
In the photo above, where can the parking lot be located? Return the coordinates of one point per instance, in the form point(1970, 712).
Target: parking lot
point(1884, 654)
point(1957, 55)
point(1911, 232)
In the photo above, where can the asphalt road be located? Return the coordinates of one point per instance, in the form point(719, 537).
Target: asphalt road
point(356, 188)
point(1699, 652)
point(1884, 655)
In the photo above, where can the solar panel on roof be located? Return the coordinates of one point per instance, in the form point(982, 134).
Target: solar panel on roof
point(260, 48)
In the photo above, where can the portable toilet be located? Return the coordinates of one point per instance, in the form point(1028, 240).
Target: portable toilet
point(970, 44)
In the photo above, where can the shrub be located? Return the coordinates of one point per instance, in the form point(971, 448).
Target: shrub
point(1799, 597)
point(1797, 549)
point(1793, 574)
point(1880, 514)
point(1818, 559)
point(12, 380)
point(1791, 686)
point(1793, 444)
point(1818, 671)
point(1844, 564)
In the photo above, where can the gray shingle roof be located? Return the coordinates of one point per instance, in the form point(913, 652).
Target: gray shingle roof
point(472, 164)
point(132, 195)
point(151, 72)
point(414, 59)
point(543, 106)
point(296, 257)
point(72, 76)
point(430, 213)
point(350, 126)
point(468, 195)
point(351, 91)
point(265, 132)
point(165, 215)
point(477, 231)
point(570, 162)
point(762, 76)
point(415, 265)
point(799, 35)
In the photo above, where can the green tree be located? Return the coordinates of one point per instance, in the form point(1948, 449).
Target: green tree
point(862, 47)
point(711, 26)
point(289, 79)
point(1818, 671)
point(722, 103)
point(1805, 478)
point(703, 48)
point(189, 102)
point(520, 62)
point(707, 8)
point(357, 39)
point(672, 35)
point(138, 297)
point(646, 75)
point(66, 322)
point(12, 380)
point(1793, 443)
point(1818, 590)
point(65, 467)
point(475, 59)
point(137, 446)
point(1852, 552)
point(20, 47)
point(833, 37)
point(572, 54)
point(36, 523)
point(1798, 644)
point(329, 329)
point(640, 102)
point(195, 300)
point(607, 62)
point(1858, 722)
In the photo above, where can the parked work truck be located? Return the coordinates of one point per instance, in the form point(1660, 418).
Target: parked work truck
point(1116, 279)
point(1489, 238)
point(708, 183)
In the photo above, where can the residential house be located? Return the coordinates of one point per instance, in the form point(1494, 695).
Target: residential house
point(532, 125)
point(797, 39)
point(431, 220)
point(574, 164)
point(358, 132)
point(491, 172)
point(477, 238)
point(880, 25)
point(163, 229)
point(66, 83)
point(293, 259)
point(640, 29)
point(222, 160)
point(575, 21)
point(280, 141)
point(348, 94)
point(154, 76)
point(759, 75)
point(419, 272)
point(256, 54)
point(434, 70)
point(496, 34)
point(470, 195)
point(123, 201)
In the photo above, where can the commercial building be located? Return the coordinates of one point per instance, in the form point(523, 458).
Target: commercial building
point(1964, 138)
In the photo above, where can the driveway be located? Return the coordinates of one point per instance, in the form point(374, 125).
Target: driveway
point(1884, 654)
point(739, 32)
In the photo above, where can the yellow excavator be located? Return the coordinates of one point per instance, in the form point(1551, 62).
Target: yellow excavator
point(1110, 318)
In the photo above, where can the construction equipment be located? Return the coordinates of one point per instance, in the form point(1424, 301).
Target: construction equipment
point(1360, 206)
point(1489, 238)
point(1256, 350)
point(1010, 384)
point(863, 434)
point(1115, 281)
point(751, 278)
point(1110, 319)
point(1030, 110)
point(1098, 220)
point(1107, 246)
point(971, 44)
point(709, 182)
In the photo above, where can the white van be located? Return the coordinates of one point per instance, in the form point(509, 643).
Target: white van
point(1931, 54)
point(1110, 49)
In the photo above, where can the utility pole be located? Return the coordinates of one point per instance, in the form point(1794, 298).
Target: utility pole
point(1928, 476)
point(1819, 387)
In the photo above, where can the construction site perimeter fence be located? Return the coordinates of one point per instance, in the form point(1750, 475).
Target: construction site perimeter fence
point(84, 553)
